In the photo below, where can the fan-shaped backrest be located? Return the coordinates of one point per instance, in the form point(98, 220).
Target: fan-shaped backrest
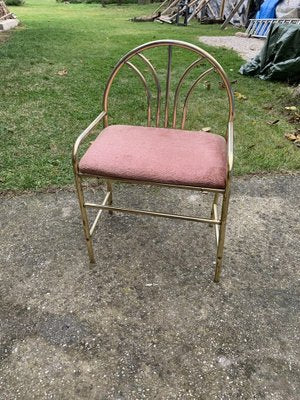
point(202, 57)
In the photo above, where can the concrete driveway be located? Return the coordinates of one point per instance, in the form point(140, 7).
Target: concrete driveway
point(147, 322)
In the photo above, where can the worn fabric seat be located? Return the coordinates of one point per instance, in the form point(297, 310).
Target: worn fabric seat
point(158, 155)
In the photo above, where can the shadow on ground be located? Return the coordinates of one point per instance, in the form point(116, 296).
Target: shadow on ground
point(147, 322)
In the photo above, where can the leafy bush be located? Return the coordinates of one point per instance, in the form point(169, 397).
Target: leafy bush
point(14, 2)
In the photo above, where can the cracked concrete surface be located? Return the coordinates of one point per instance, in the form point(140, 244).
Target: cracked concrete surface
point(147, 322)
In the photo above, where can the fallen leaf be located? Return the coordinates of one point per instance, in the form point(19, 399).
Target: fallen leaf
point(206, 129)
point(63, 72)
point(240, 96)
point(290, 136)
point(291, 108)
point(273, 122)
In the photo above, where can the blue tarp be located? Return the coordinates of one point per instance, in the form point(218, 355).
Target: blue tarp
point(267, 9)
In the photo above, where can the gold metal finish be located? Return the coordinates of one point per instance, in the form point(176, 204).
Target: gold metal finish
point(190, 92)
point(105, 201)
point(134, 68)
point(158, 88)
point(221, 238)
point(168, 81)
point(202, 56)
point(109, 190)
point(177, 90)
point(153, 213)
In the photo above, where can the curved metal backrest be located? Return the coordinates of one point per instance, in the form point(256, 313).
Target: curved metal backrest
point(169, 44)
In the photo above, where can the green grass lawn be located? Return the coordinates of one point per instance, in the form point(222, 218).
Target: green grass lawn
point(42, 112)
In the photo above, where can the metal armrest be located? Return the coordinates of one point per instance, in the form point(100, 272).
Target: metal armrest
point(83, 135)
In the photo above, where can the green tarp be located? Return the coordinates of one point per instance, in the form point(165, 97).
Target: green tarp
point(279, 59)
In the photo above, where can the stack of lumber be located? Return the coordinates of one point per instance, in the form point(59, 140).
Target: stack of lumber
point(170, 11)
point(207, 11)
point(225, 12)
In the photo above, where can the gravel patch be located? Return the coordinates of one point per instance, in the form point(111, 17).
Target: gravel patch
point(247, 48)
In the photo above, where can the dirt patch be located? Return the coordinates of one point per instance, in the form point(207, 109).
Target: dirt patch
point(3, 36)
point(246, 47)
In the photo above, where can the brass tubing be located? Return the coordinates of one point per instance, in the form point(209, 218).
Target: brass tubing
point(168, 81)
point(109, 190)
point(141, 76)
point(95, 222)
point(215, 202)
point(153, 213)
point(84, 218)
point(215, 216)
point(189, 93)
point(105, 201)
point(177, 43)
point(84, 134)
point(217, 232)
point(220, 248)
point(189, 68)
point(230, 146)
point(158, 87)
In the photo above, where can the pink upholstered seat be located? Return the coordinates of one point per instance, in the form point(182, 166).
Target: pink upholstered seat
point(158, 155)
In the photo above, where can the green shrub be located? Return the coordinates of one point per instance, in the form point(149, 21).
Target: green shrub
point(14, 2)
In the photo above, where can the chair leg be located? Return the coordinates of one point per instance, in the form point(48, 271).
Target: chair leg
point(215, 201)
point(109, 189)
point(84, 217)
point(220, 247)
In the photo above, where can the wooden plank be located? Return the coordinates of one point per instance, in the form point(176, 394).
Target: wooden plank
point(201, 5)
point(173, 4)
point(212, 11)
point(222, 6)
point(161, 5)
point(234, 10)
point(6, 16)
point(248, 10)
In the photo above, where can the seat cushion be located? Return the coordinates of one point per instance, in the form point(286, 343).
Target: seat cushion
point(158, 155)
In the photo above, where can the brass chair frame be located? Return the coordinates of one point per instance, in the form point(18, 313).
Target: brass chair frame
point(219, 222)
